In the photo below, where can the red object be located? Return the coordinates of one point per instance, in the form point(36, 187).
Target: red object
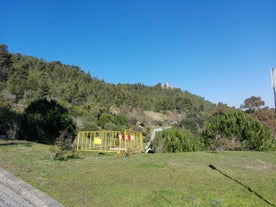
point(123, 137)
point(128, 137)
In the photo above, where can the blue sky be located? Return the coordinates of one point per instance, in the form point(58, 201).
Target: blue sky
point(222, 50)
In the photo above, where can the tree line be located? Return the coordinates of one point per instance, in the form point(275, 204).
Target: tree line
point(34, 91)
point(25, 79)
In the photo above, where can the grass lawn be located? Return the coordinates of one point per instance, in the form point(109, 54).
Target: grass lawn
point(181, 179)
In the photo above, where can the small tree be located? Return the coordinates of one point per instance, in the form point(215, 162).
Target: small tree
point(252, 103)
point(63, 149)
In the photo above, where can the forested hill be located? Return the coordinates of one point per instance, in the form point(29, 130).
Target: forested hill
point(24, 79)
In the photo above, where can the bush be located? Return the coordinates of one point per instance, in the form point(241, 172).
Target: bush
point(45, 120)
point(175, 140)
point(110, 126)
point(105, 118)
point(230, 126)
point(64, 149)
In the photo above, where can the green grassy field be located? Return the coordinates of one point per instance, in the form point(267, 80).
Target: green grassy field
point(181, 179)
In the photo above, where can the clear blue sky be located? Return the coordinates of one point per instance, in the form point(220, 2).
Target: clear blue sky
point(222, 50)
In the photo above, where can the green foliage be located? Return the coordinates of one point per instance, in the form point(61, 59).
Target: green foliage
point(269, 145)
point(18, 81)
point(63, 149)
point(89, 124)
point(239, 127)
point(121, 121)
point(105, 118)
point(9, 121)
point(194, 123)
point(26, 79)
point(5, 65)
point(113, 122)
point(110, 126)
point(30, 79)
point(175, 140)
point(45, 120)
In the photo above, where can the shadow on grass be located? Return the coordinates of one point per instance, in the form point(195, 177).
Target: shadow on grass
point(7, 143)
point(246, 186)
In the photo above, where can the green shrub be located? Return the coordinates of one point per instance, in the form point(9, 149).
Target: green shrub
point(110, 126)
point(63, 148)
point(230, 126)
point(175, 140)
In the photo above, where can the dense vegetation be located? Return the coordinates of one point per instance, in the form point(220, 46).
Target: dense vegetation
point(25, 79)
point(236, 130)
point(44, 121)
point(175, 140)
point(42, 100)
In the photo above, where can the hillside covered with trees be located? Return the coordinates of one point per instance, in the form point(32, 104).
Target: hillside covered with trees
point(28, 84)
point(25, 79)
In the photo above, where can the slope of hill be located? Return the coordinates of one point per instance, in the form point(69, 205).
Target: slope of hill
point(93, 103)
point(24, 79)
